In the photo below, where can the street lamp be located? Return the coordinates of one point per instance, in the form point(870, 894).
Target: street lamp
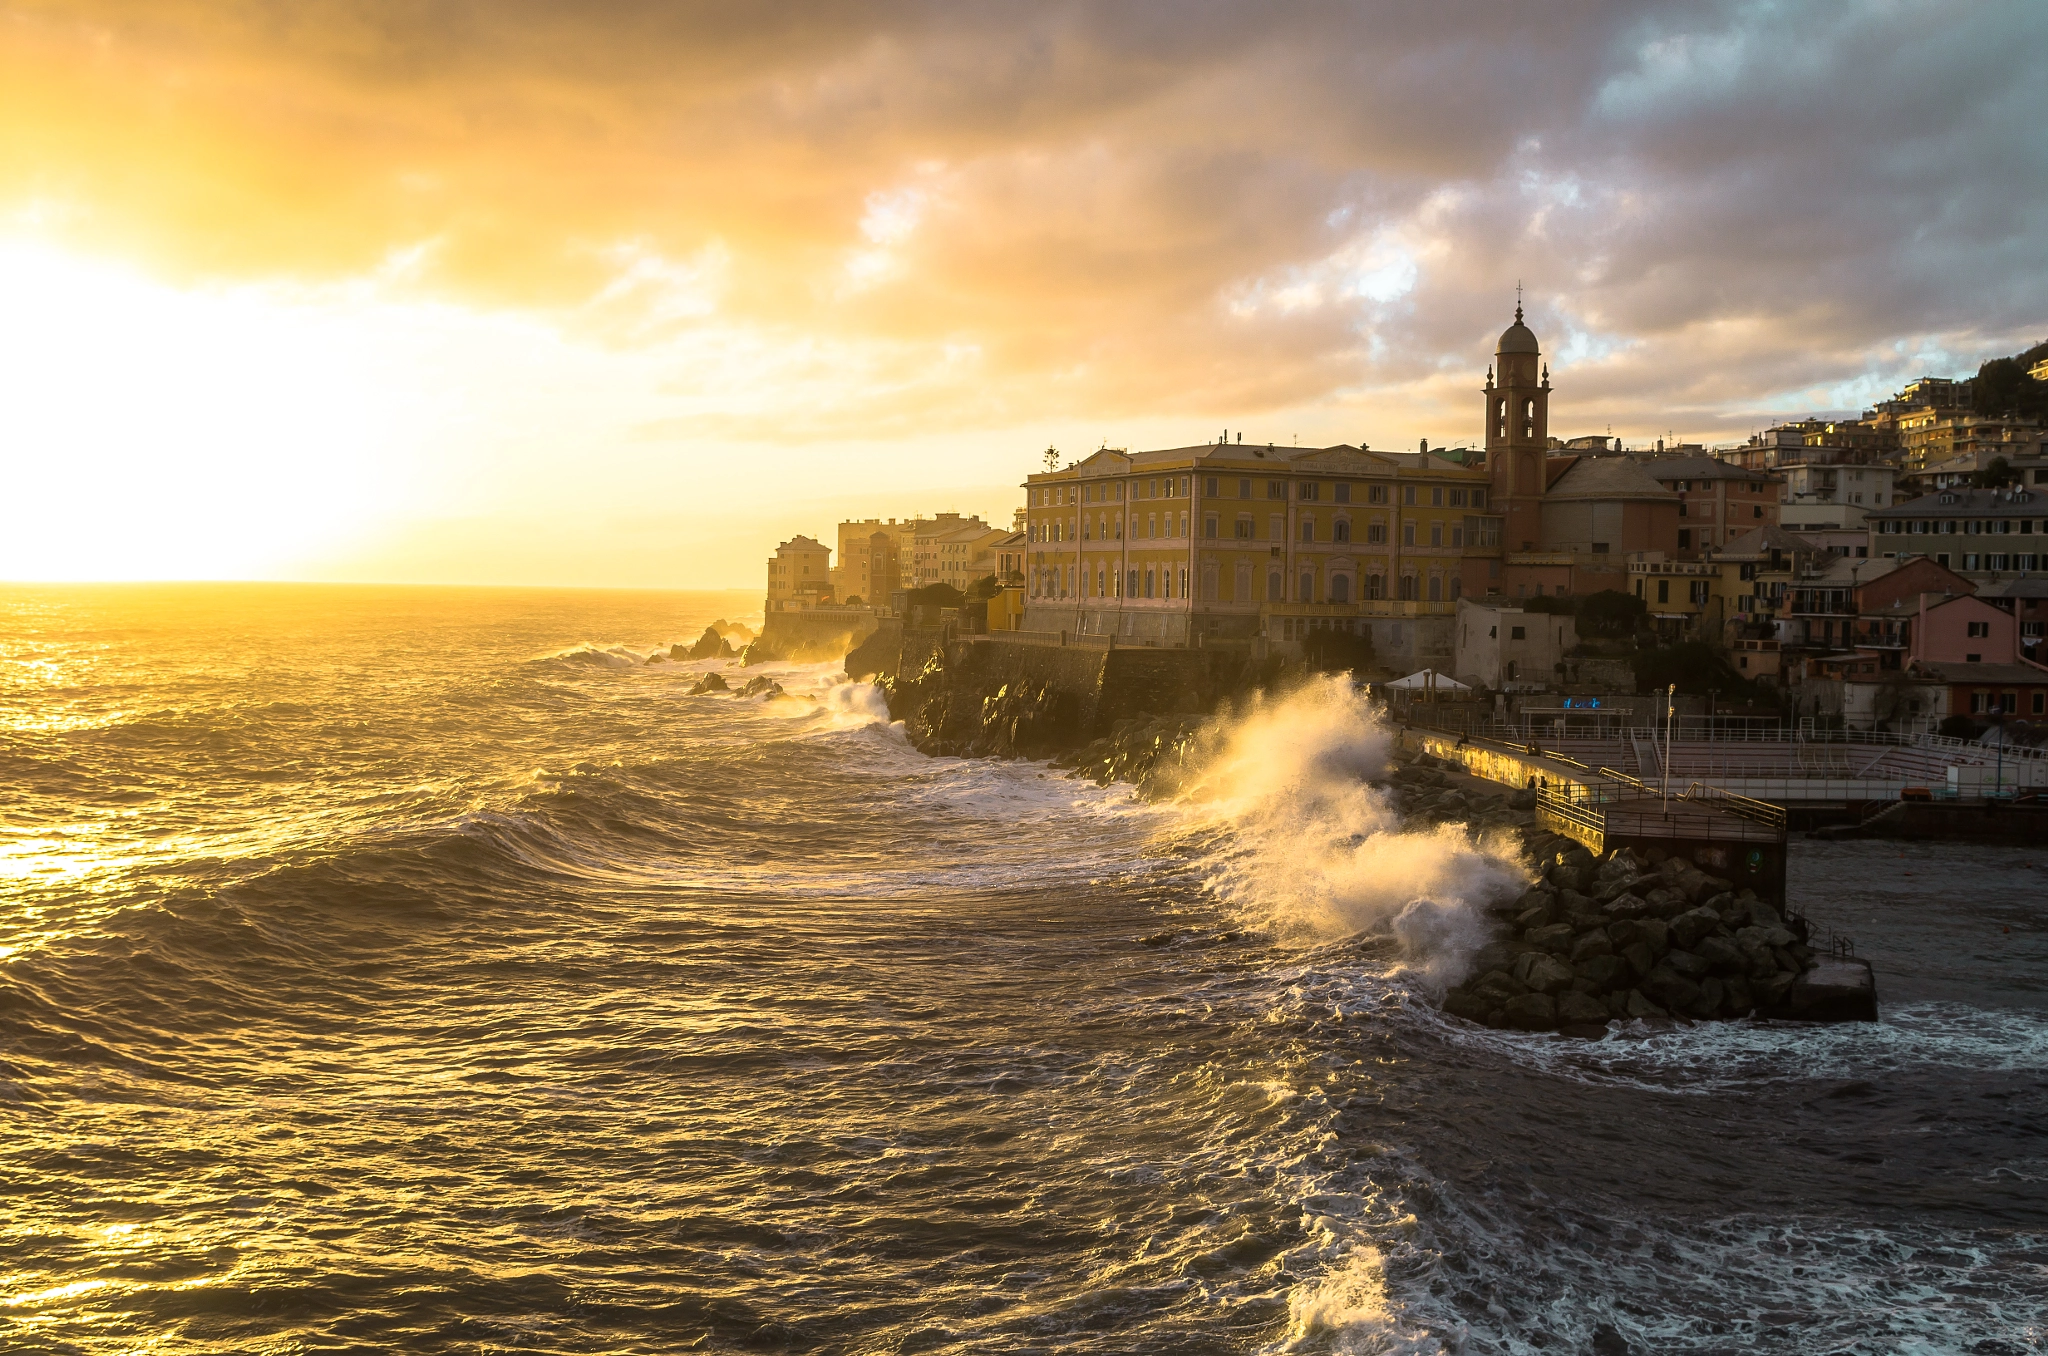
point(1670, 694)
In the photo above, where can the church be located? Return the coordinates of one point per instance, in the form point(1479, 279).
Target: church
point(1569, 523)
point(1231, 541)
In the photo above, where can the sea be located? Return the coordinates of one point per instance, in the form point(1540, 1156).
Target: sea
point(428, 970)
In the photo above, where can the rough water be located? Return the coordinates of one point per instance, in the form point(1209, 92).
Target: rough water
point(418, 970)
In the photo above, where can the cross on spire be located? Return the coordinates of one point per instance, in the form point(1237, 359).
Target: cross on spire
point(1518, 301)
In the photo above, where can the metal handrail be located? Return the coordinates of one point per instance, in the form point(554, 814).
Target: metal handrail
point(1756, 811)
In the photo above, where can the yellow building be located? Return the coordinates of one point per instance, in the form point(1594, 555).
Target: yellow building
point(1233, 541)
point(873, 559)
point(799, 575)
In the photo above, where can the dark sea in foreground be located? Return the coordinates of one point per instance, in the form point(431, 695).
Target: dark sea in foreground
point(418, 970)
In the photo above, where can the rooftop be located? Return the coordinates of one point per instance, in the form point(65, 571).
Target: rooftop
point(1967, 503)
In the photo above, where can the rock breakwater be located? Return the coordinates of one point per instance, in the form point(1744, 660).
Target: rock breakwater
point(1630, 938)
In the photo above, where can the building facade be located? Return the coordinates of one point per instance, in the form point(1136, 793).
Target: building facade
point(799, 575)
point(1983, 535)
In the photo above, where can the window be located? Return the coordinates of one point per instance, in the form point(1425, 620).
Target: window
point(1756, 510)
point(1479, 499)
point(1308, 529)
point(1341, 530)
point(1209, 526)
point(1407, 588)
point(1518, 633)
point(1408, 494)
point(1982, 628)
point(1244, 489)
point(1436, 588)
point(1276, 489)
point(1148, 583)
point(1274, 588)
point(1340, 588)
point(1970, 562)
point(1151, 524)
point(1436, 496)
point(1457, 499)
point(1408, 534)
point(1973, 659)
point(1376, 531)
point(1684, 538)
point(1244, 528)
point(1375, 586)
point(1131, 584)
point(1436, 533)
point(1276, 528)
point(1663, 590)
point(1243, 592)
point(1375, 494)
point(1309, 490)
point(1697, 591)
point(1209, 486)
point(1308, 587)
point(1341, 494)
point(1599, 548)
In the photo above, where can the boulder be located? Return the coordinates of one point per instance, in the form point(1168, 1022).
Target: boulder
point(1666, 902)
point(1579, 1009)
point(1555, 938)
point(710, 682)
point(1629, 905)
point(708, 645)
point(1712, 994)
point(1530, 919)
point(1636, 1004)
point(1693, 967)
point(1499, 955)
point(1722, 956)
point(1739, 999)
point(1693, 924)
point(1762, 915)
point(1605, 972)
point(1531, 1012)
point(1469, 1006)
point(1639, 957)
point(1498, 986)
point(1587, 945)
point(1770, 993)
point(1544, 974)
point(1670, 989)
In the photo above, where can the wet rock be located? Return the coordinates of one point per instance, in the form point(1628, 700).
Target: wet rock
point(1712, 995)
point(1763, 915)
point(1542, 916)
point(1531, 1012)
point(1761, 936)
point(1590, 944)
point(710, 682)
point(1638, 1005)
point(1666, 902)
point(1670, 989)
point(1739, 1000)
point(1694, 924)
point(1628, 905)
point(1604, 972)
point(1721, 955)
point(1500, 955)
point(1469, 1006)
point(1542, 973)
point(1641, 960)
point(1770, 992)
point(1686, 963)
point(1498, 986)
point(1578, 1008)
point(1555, 938)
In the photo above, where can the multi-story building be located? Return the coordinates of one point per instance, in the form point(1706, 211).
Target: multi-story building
point(1717, 501)
point(966, 554)
point(1236, 540)
point(1984, 535)
point(871, 557)
point(1504, 647)
point(799, 575)
point(1934, 436)
point(928, 536)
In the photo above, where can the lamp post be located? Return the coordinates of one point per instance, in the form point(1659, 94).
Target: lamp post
point(1669, 693)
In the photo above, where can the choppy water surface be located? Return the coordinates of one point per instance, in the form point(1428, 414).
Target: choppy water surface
point(416, 970)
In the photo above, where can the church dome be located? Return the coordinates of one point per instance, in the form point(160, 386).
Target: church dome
point(1518, 338)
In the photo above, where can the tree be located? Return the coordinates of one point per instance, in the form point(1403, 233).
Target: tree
point(936, 595)
point(988, 586)
point(1692, 664)
point(1999, 472)
point(2003, 388)
point(1610, 612)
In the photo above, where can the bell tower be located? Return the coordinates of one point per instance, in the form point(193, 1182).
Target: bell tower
point(1518, 433)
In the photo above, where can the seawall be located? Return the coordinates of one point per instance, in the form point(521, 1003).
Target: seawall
point(810, 636)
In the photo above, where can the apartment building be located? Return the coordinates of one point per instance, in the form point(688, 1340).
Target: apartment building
point(1984, 535)
point(1717, 501)
point(799, 575)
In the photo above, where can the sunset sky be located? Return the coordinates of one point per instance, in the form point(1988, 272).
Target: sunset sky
point(625, 293)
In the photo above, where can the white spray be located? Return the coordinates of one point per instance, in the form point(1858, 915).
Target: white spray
point(1311, 849)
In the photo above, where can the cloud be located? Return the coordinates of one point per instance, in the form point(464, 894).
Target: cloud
point(1141, 218)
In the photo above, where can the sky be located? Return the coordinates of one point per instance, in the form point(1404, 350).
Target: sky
point(623, 294)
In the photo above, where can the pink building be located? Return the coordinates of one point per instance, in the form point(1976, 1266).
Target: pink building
point(1963, 630)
